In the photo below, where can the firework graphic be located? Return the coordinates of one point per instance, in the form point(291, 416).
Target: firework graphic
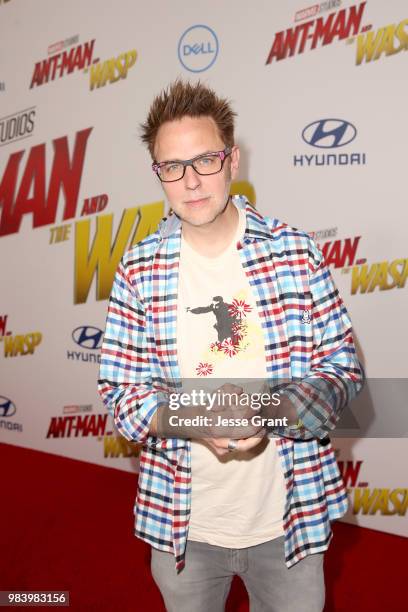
point(215, 347)
point(204, 369)
point(238, 332)
point(239, 309)
point(229, 347)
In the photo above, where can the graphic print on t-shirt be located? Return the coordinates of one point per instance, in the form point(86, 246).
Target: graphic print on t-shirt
point(234, 333)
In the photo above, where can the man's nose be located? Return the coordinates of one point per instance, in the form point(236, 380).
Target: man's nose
point(191, 178)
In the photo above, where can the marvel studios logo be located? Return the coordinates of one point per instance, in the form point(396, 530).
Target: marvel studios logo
point(75, 408)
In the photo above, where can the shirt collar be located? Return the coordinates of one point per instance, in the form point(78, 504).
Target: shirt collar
point(256, 227)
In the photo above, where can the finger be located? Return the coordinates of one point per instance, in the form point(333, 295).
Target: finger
point(256, 437)
point(249, 443)
point(231, 388)
point(218, 446)
point(243, 433)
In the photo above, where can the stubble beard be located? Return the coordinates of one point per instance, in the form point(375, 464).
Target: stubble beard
point(217, 213)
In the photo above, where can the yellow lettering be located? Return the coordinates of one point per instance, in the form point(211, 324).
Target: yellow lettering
point(380, 278)
point(120, 63)
point(244, 188)
point(400, 504)
point(22, 343)
point(399, 276)
point(9, 346)
point(95, 75)
point(115, 446)
point(110, 448)
point(370, 46)
point(110, 71)
point(402, 35)
point(106, 71)
point(361, 278)
point(367, 44)
point(28, 340)
point(102, 258)
point(59, 234)
point(367, 279)
point(363, 499)
point(19, 345)
point(381, 503)
point(387, 43)
point(130, 59)
point(149, 218)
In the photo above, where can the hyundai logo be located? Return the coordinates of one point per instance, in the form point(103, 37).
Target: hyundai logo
point(7, 407)
point(198, 48)
point(88, 337)
point(329, 133)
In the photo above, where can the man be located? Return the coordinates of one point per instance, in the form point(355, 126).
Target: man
point(249, 500)
point(226, 320)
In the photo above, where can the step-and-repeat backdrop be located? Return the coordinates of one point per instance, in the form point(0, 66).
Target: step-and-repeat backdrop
point(321, 96)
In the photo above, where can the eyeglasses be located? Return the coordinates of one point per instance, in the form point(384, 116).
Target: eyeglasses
point(208, 163)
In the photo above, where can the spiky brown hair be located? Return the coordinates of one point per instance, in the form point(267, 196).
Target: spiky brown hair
point(181, 99)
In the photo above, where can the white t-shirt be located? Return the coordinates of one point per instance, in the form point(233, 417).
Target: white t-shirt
point(237, 500)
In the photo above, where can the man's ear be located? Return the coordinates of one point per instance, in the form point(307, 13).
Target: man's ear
point(234, 161)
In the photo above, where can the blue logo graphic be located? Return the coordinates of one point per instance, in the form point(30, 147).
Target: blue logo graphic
point(88, 337)
point(198, 48)
point(7, 407)
point(329, 133)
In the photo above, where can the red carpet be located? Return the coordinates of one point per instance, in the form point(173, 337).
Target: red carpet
point(68, 525)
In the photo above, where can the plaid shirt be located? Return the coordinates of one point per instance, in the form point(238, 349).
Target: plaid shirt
point(308, 341)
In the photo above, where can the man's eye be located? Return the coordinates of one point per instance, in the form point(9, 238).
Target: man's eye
point(206, 161)
point(171, 168)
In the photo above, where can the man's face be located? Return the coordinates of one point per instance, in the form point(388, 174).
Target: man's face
point(198, 200)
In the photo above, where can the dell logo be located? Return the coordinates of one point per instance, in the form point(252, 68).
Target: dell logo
point(198, 48)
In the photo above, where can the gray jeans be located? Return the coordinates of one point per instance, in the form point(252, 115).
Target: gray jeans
point(204, 582)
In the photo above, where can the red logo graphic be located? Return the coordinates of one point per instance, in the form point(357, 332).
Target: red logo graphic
point(30, 194)
point(321, 31)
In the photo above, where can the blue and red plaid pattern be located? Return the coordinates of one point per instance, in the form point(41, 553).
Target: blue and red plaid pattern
point(308, 341)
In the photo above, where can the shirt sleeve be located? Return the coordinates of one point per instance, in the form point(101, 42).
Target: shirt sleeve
point(335, 376)
point(125, 380)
